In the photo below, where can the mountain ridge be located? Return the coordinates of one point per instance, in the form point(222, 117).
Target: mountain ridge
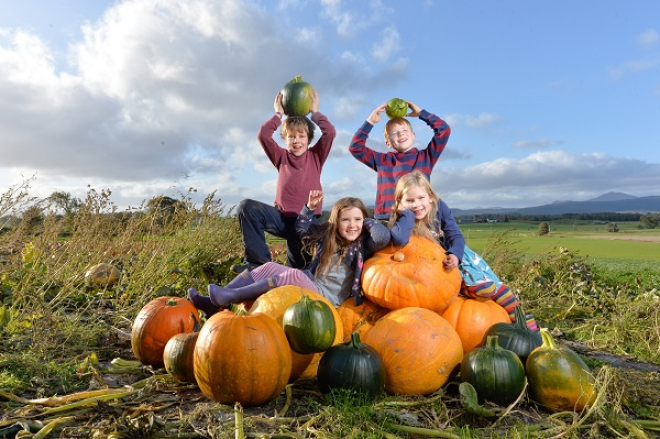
point(611, 202)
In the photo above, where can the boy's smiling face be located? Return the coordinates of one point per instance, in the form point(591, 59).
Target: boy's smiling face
point(400, 137)
point(297, 142)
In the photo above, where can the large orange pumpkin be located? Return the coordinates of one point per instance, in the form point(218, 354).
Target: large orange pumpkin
point(156, 323)
point(473, 317)
point(275, 303)
point(360, 318)
point(419, 348)
point(242, 358)
point(411, 276)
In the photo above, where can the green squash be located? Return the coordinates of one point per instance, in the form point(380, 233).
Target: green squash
point(558, 378)
point(352, 365)
point(516, 337)
point(309, 326)
point(396, 108)
point(297, 97)
point(497, 374)
point(178, 355)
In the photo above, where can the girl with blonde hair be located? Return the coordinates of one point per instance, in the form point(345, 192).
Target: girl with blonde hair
point(417, 210)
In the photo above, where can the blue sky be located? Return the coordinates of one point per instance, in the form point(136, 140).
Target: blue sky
point(546, 100)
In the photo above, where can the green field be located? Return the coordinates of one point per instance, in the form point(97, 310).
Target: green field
point(589, 240)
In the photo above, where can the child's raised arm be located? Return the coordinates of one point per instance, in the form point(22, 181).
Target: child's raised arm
point(314, 107)
point(279, 108)
point(375, 116)
point(414, 110)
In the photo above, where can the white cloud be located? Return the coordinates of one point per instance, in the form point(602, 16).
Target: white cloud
point(389, 44)
point(635, 66)
point(543, 177)
point(532, 144)
point(157, 91)
point(648, 38)
point(481, 122)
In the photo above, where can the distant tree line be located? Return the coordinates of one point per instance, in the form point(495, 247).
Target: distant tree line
point(605, 216)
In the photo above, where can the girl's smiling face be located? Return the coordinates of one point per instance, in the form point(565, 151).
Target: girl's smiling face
point(417, 200)
point(350, 223)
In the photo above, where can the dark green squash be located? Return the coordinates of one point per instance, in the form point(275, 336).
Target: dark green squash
point(558, 378)
point(309, 325)
point(516, 337)
point(178, 355)
point(497, 374)
point(297, 97)
point(352, 365)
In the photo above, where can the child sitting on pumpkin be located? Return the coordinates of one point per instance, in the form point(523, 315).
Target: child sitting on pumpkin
point(419, 211)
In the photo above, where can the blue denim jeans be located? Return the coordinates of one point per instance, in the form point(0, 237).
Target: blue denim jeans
point(255, 218)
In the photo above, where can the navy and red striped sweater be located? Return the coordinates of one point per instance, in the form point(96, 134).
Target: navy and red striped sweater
point(392, 165)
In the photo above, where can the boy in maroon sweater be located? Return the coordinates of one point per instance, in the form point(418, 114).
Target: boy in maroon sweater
point(299, 171)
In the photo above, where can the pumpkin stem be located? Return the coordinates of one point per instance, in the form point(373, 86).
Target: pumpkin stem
point(355, 343)
point(236, 310)
point(521, 320)
point(297, 78)
point(172, 301)
point(548, 341)
point(491, 342)
point(196, 326)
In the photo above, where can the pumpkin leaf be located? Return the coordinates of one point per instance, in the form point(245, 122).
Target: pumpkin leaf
point(469, 401)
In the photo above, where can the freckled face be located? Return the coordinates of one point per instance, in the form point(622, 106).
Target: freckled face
point(297, 142)
point(350, 223)
point(417, 200)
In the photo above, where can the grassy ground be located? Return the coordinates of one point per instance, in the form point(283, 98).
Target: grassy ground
point(60, 336)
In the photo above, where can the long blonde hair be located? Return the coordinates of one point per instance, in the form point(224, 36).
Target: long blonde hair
point(423, 227)
point(328, 234)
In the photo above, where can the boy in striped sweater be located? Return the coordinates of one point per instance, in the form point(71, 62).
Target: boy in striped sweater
point(404, 158)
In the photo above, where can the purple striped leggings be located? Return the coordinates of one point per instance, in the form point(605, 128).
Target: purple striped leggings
point(283, 276)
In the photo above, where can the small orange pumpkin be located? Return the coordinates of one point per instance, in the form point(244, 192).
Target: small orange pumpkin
point(275, 303)
point(420, 350)
point(471, 318)
point(360, 318)
point(411, 276)
point(242, 358)
point(156, 323)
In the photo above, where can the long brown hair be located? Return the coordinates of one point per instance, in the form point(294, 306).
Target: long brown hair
point(424, 226)
point(328, 234)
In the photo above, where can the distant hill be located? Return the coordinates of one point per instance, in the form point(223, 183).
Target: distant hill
point(611, 202)
point(613, 196)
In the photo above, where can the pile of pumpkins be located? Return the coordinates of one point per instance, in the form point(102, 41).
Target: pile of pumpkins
point(410, 336)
